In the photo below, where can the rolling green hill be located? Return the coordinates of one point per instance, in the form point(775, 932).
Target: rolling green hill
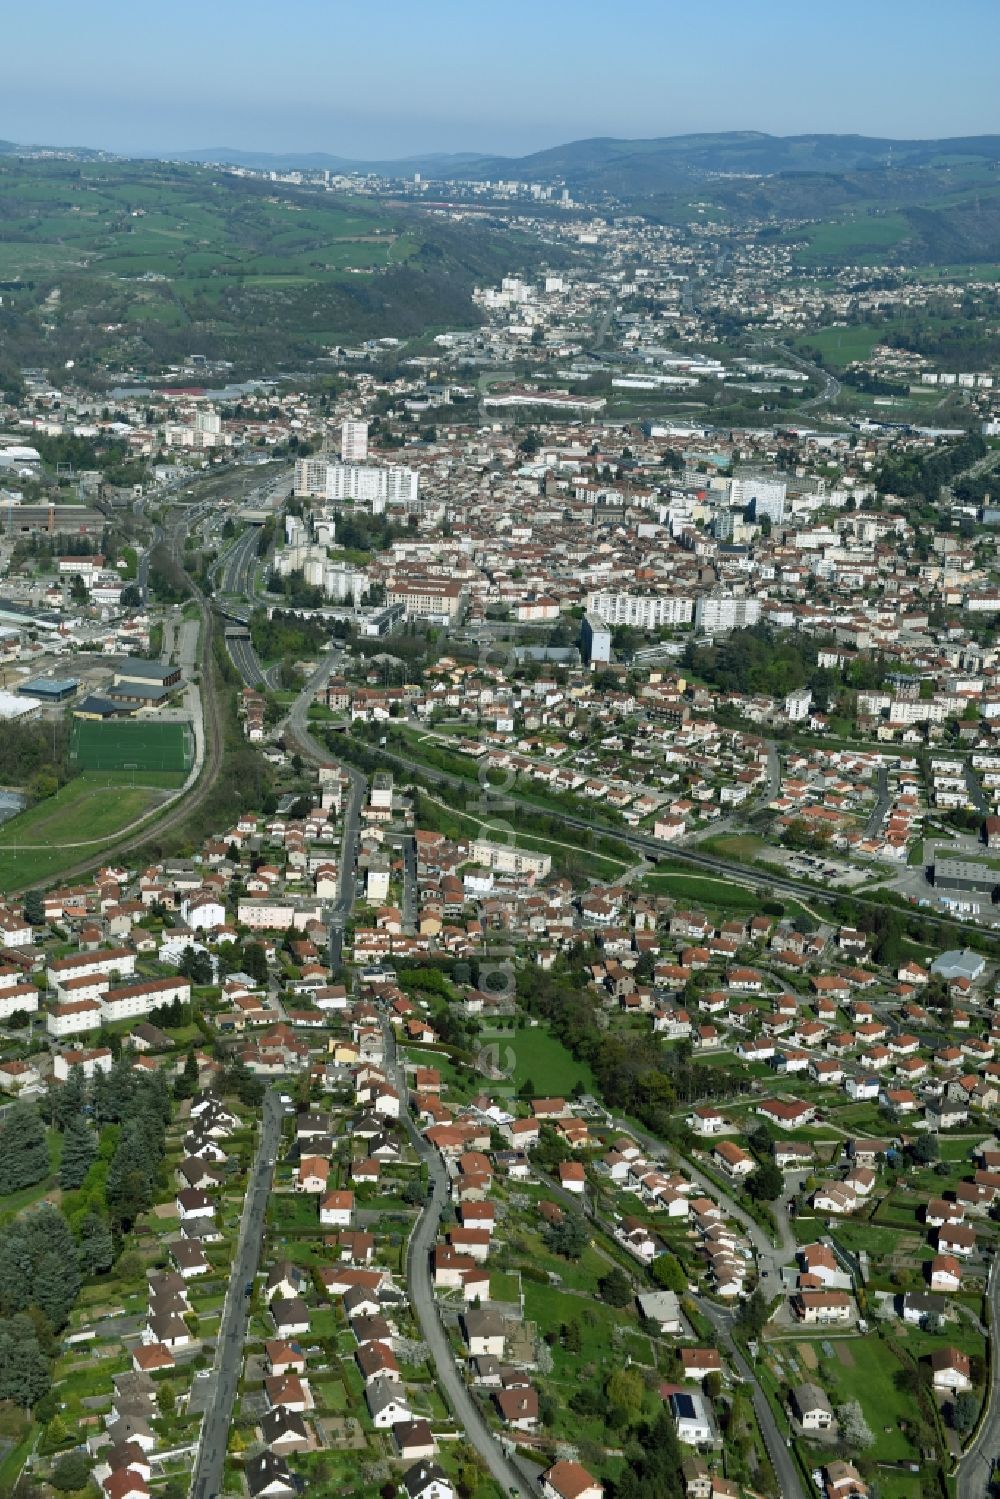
point(138, 263)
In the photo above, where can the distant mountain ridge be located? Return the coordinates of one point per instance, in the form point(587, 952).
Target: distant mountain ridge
point(655, 165)
point(436, 164)
point(667, 163)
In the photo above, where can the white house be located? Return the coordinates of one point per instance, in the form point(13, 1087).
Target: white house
point(691, 1418)
point(951, 1370)
point(336, 1209)
point(570, 1480)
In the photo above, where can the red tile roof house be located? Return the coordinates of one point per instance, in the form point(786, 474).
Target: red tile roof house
point(570, 1480)
point(951, 1370)
point(955, 1238)
point(736, 1163)
point(787, 1113)
point(572, 1176)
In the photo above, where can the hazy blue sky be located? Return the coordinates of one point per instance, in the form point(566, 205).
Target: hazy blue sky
point(394, 78)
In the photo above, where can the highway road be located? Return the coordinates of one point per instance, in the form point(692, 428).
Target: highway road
point(246, 661)
point(421, 1294)
point(239, 565)
point(976, 1467)
point(226, 1366)
point(830, 385)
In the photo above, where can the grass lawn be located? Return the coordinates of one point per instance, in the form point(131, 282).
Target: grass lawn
point(331, 1395)
point(742, 846)
point(857, 1236)
point(87, 811)
point(719, 895)
point(294, 1212)
point(543, 1060)
point(870, 1378)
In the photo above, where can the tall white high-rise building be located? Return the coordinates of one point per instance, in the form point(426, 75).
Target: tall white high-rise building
point(310, 477)
point(763, 496)
point(354, 441)
point(372, 486)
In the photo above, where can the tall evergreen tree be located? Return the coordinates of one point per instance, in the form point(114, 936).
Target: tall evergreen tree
point(68, 1101)
point(24, 1151)
point(34, 911)
point(24, 1369)
point(96, 1250)
point(78, 1153)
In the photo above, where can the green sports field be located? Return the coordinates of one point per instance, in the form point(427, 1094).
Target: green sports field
point(131, 744)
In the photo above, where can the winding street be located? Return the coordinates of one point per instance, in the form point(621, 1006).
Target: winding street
point(770, 1259)
point(421, 1294)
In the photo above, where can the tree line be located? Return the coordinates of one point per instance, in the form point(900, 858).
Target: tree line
point(110, 1139)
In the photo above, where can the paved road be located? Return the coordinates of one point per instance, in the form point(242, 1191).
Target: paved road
point(830, 384)
point(340, 913)
point(296, 729)
point(421, 1293)
point(409, 852)
point(722, 1319)
point(977, 1464)
point(246, 660)
point(976, 793)
point(881, 805)
point(207, 1477)
point(789, 1482)
point(770, 1257)
point(736, 820)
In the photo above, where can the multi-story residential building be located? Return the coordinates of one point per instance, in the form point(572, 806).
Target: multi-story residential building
point(720, 613)
point(505, 859)
point(74, 1019)
point(763, 497)
point(595, 640)
point(354, 441)
point(642, 611)
point(429, 598)
point(138, 999)
point(372, 486)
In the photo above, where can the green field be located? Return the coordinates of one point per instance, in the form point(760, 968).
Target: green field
point(68, 827)
point(131, 744)
point(147, 255)
point(719, 894)
point(870, 1377)
point(543, 1059)
point(862, 239)
point(842, 346)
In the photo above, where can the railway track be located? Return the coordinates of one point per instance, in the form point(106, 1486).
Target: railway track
point(712, 864)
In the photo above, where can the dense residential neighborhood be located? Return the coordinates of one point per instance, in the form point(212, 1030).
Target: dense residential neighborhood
point(499, 932)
